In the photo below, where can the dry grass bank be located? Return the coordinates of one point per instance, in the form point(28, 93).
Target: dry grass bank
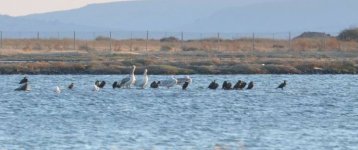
point(210, 56)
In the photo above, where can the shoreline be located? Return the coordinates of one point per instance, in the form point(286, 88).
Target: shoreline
point(68, 68)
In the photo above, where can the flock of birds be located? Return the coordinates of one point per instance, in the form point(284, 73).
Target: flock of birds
point(131, 81)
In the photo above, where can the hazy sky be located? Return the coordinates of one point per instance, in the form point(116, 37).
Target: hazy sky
point(25, 7)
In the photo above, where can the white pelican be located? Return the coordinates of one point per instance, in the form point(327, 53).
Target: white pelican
point(143, 82)
point(181, 81)
point(169, 82)
point(127, 82)
point(57, 90)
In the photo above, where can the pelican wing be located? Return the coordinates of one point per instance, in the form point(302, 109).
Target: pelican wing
point(124, 81)
point(168, 83)
point(181, 81)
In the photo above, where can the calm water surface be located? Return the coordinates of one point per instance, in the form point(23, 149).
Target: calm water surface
point(314, 112)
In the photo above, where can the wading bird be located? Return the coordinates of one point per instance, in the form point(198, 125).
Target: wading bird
point(282, 85)
point(142, 83)
point(71, 86)
point(213, 85)
point(250, 86)
point(127, 82)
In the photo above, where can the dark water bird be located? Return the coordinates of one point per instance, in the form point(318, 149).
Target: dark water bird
point(185, 85)
point(102, 84)
point(154, 84)
point(24, 87)
point(213, 85)
point(115, 85)
point(226, 85)
point(242, 85)
point(24, 80)
point(282, 85)
point(250, 86)
point(97, 83)
point(71, 86)
point(237, 85)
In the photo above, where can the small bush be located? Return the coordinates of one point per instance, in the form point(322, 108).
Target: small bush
point(190, 48)
point(85, 47)
point(102, 38)
point(166, 48)
point(169, 39)
point(37, 46)
point(277, 46)
point(313, 35)
point(349, 34)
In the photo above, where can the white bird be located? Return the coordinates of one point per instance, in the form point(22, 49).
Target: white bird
point(144, 81)
point(57, 90)
point(181, 81)
point(169, 82)
point(95, 88)
point(127, 82)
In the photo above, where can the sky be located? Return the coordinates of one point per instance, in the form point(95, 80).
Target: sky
point(26, 7)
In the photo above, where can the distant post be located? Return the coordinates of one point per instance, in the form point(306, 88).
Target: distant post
point(94, 40)
point(289, 40)
point(146, 43)
point(324, 43)
point(131, 42)
point(273, 36)
point(74, 40)
point(273, 39)
point(0, 39)
point(253, 41)
point(218, 47)
point(110, 41)
point(201, 41)
point(182, 40)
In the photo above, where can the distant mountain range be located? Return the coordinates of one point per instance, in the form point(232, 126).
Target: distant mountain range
point(243, 16)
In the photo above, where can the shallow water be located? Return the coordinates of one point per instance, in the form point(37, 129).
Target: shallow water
point(313, 112)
